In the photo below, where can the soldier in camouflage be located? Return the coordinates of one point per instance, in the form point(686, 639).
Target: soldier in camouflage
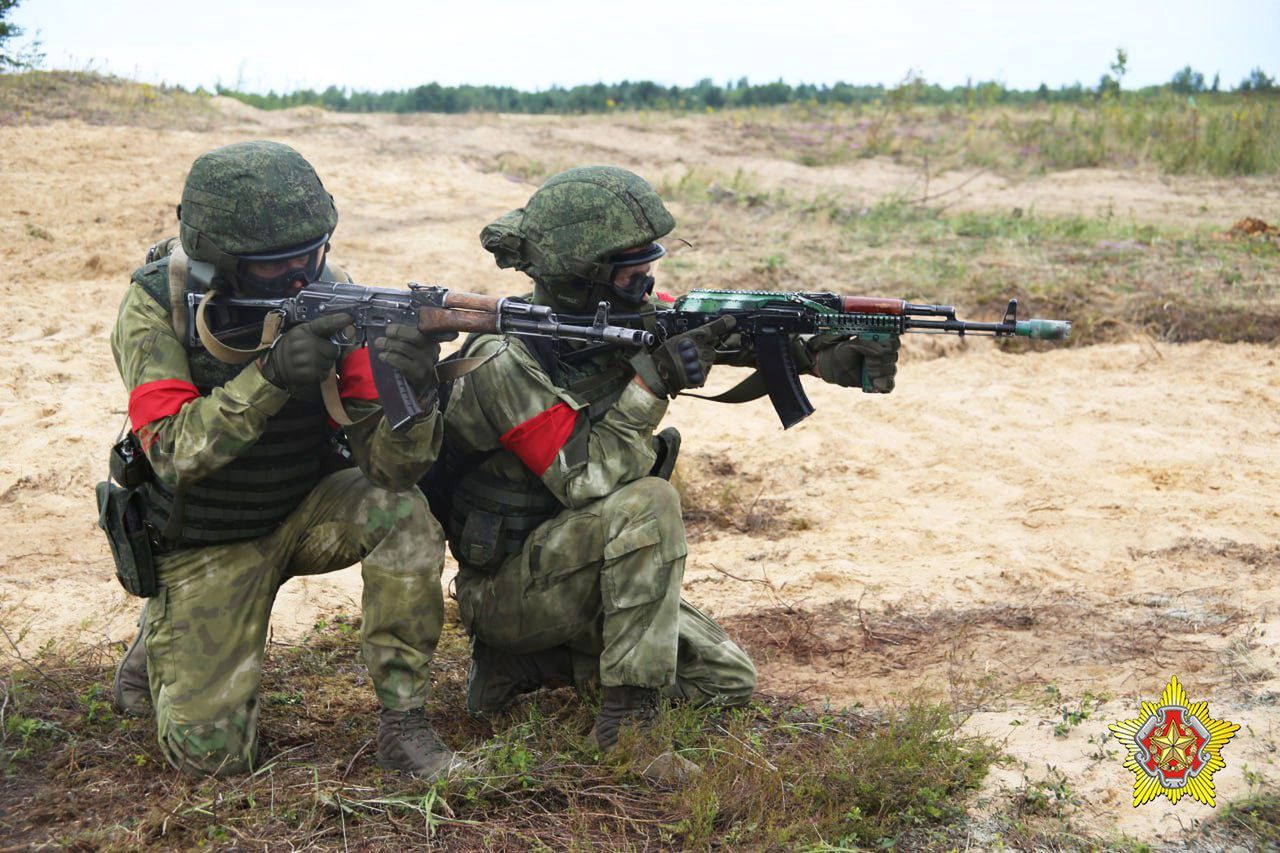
point(238, 502)
point(569, 539)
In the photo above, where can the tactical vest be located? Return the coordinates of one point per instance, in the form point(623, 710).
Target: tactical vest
point(496, 501)
point(251, 495)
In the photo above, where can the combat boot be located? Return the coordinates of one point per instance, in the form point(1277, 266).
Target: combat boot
point(636, 706)
point(131, 690)
point(495, 679)
point(406, 742)
point(633, 705)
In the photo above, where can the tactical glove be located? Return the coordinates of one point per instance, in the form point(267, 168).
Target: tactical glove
point(842, 362)
point(304, 355)
point(413, 354)
point(682, 361)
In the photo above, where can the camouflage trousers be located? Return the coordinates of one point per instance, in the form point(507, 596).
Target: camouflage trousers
point(207, 626)
point(604, 580)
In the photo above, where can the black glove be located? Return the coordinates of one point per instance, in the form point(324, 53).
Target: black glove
point(304, 355)
point(682, 361)
point(413, 354)
point(841, 362)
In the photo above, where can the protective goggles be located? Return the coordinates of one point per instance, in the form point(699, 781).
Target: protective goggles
point(637, 286)
point(285, 273)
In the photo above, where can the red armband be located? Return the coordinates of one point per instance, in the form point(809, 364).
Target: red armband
point(152, 401)
point(355, 376)
point(539, 439)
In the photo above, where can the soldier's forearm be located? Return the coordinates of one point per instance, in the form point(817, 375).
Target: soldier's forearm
point(389, 459)
point(210, 431)
point(619, 449)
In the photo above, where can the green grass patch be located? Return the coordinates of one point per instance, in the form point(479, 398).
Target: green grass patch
point(776, 775)
point(1175, 134)
point(1112, 277)
point(1253, 822)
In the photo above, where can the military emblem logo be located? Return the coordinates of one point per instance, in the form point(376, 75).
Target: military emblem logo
point(1174, 748)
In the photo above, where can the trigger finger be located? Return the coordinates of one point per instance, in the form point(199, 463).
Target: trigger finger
point(724, 326)
point(328, 324)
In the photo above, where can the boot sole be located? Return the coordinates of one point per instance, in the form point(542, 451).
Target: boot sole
point(455, 766)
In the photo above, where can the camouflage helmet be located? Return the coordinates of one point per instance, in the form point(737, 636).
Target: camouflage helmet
point(253, 201)
point(572, 228)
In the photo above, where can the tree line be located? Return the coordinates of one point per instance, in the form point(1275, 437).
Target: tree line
point(705, 94)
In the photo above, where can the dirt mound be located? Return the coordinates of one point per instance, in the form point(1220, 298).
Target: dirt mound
point(1251, 228)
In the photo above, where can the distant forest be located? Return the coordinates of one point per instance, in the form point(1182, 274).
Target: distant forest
point(707, 95)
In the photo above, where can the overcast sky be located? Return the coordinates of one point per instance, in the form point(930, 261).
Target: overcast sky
point(259, 45)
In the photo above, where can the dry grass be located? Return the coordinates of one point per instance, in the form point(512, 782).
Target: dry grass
point(1220, 135)
point(775, 774)
point(1113, 279)
point(40, 97)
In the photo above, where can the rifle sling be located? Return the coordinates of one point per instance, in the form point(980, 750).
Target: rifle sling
point(230, 355)
point(453, 368)
point(333, 400)
point(178, 291)
point(752, 388)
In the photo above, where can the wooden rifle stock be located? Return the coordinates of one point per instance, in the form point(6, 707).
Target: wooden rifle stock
point(873, 305)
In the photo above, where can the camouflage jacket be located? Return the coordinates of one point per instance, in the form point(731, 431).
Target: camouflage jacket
point(530, 430)
point(188, 434)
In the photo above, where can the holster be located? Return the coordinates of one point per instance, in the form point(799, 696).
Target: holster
point(121, 515)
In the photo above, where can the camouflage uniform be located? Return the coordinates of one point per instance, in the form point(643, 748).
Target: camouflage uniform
point(563, 537)
point(246, 455)
point(603, 574)
point(206, 629)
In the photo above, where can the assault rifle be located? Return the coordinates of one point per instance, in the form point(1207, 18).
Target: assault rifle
point(436, 311)
point(767, 319)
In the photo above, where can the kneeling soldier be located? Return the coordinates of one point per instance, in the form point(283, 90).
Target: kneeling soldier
point(238, 502)
point(569, 538)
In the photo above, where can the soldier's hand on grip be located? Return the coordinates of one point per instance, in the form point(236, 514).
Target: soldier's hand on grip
point(412, 353)
point(304, 355)
point(842, 363)
point(682, 361)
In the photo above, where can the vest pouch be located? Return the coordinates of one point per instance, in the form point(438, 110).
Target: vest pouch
point(483, 540)
point(128, 465)
point(121, 515)
point(666, 445)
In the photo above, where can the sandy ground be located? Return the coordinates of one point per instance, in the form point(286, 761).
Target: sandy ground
point(1020, 534)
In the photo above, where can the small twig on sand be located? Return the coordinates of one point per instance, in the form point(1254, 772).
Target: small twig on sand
point(787, 606)
point(17, 653)
point(924, 199)
point(354, 759)
point(729, 574)
point(866, 629)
